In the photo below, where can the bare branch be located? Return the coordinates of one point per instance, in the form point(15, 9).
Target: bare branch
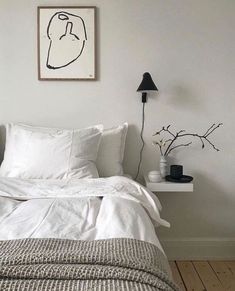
point(180, 131)
point(183, 133)
point(213, 129)
point(160, 147)
point(165, 129)
point(168, 140)
point(203, 145)
point(214, 147)
point(180, 145)
point(159, 132)
point(209, 129)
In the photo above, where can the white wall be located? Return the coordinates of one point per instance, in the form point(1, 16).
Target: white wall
point(188, 46)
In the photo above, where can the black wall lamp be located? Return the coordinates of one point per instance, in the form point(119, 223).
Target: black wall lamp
point(146, 85)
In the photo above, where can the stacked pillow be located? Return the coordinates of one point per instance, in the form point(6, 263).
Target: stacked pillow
point(111, 151)
point(49, 153)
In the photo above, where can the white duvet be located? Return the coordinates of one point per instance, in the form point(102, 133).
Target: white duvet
point(86, 209)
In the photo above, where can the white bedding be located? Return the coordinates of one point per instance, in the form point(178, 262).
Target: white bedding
point(73, 209)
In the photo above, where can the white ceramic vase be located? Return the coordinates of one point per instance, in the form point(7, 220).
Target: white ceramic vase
point(163, 166)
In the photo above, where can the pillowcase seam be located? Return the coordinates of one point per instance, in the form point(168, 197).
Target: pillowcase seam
point(123, 141)
point(122, 148)
point(70, 154)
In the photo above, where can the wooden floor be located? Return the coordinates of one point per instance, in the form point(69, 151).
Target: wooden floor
point(204, 275)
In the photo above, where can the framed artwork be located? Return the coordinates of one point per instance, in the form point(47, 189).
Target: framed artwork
point(67, 43)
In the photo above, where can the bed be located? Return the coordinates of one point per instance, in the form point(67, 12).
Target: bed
point(79, 234)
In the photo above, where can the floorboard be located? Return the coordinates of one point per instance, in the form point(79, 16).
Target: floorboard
point(176, 276)
point(190, 276)
point(208, 276)
point(204, 275)
point(224, 274)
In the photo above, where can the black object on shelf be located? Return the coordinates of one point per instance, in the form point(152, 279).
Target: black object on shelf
point(176, 175)
point(182, 179)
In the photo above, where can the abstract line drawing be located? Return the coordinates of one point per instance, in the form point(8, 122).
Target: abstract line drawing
point(68, 36)
point(67, 43)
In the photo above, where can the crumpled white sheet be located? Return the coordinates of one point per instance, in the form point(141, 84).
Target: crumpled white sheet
point(73, 209)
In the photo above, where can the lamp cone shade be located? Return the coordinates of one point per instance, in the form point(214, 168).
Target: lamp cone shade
point(147, 84)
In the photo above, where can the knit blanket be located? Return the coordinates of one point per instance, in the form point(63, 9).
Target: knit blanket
point(70, 265)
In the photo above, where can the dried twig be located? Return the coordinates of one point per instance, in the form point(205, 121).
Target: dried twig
point(182, 133)
point(160, 147)
point(180, 145)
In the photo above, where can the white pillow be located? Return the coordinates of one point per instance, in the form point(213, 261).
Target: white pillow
point(49, 153)
point(111, 151)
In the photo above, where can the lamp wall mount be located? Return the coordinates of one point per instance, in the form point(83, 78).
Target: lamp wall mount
point(144, 97)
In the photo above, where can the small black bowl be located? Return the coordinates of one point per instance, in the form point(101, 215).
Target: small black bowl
point(182, 179)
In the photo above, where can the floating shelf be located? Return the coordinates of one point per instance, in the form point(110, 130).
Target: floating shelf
point(166, 186)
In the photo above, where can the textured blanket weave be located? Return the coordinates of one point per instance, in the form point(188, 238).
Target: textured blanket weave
point(69, 265)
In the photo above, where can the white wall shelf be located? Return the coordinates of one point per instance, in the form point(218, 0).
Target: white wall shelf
point(166, 186)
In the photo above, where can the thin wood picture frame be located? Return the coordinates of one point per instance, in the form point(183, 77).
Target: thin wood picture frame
point(66, 37)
